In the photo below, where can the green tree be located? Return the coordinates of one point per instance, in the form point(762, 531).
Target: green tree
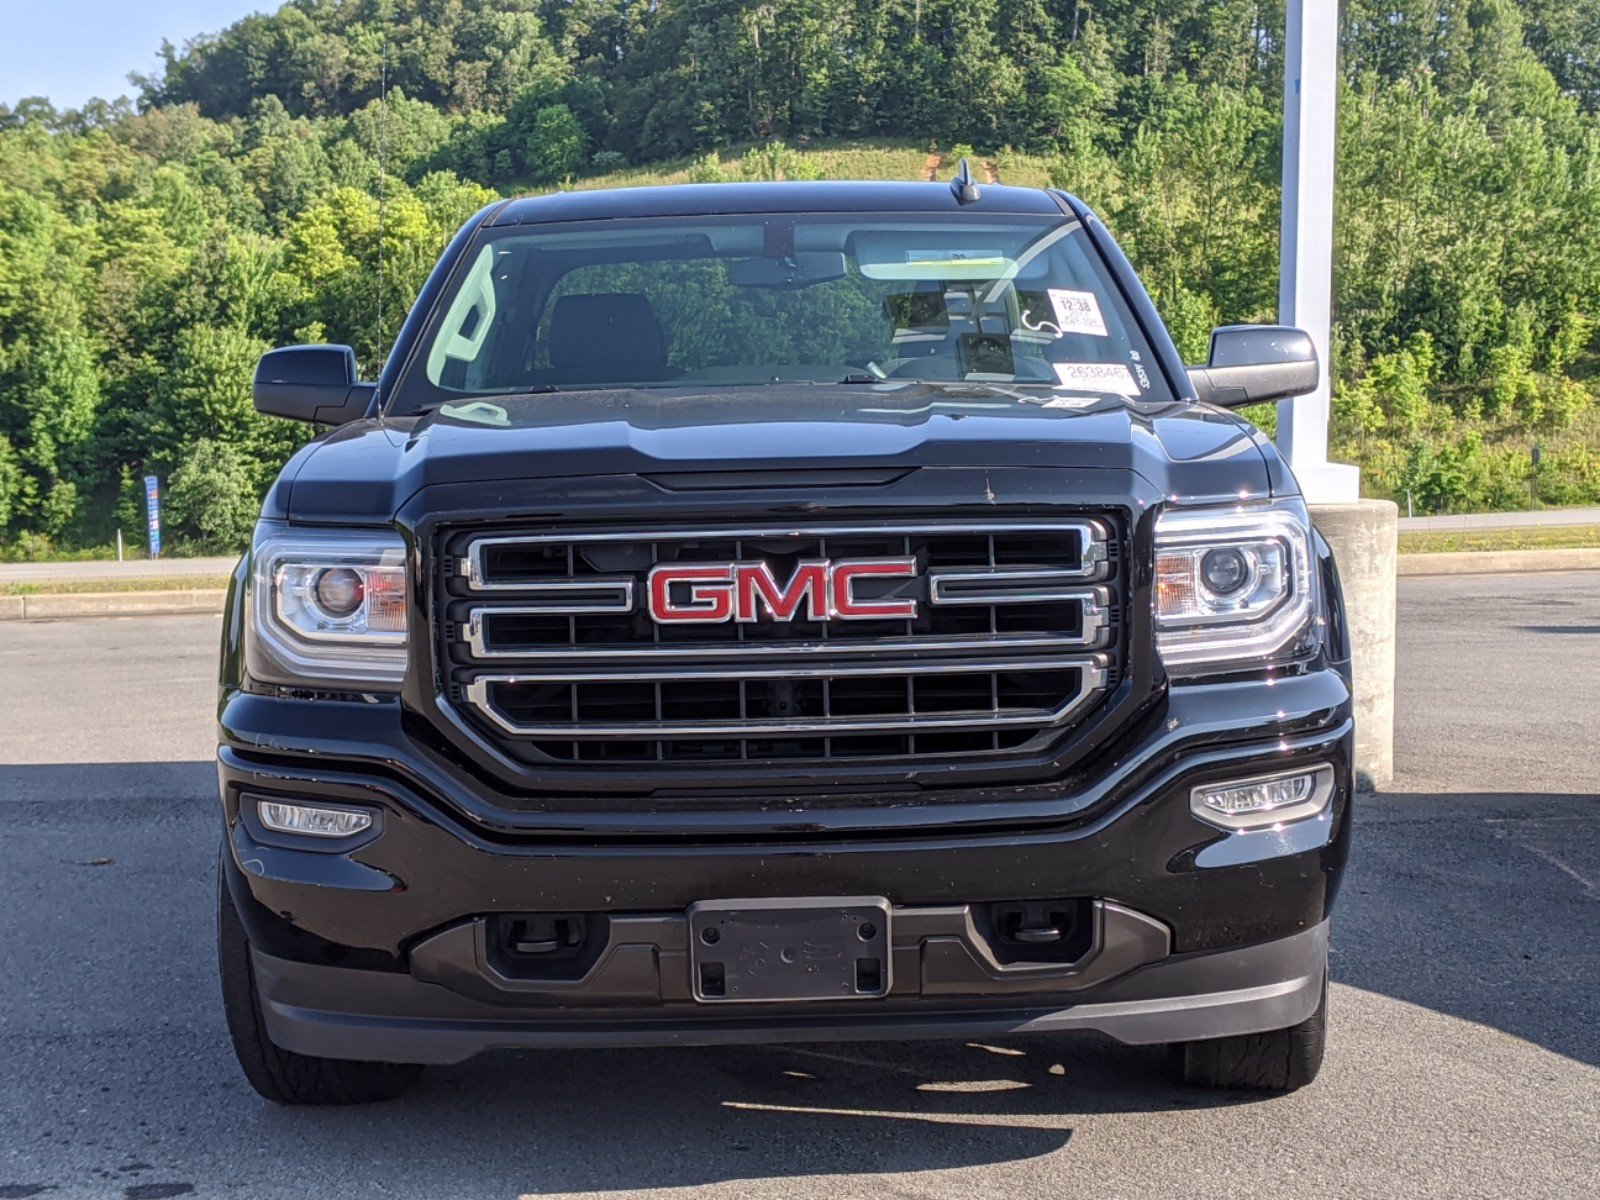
point(552, 146)
point(17, 489)
point(213, 497)
point(50, 381)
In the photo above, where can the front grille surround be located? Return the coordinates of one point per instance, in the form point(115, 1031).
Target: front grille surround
point(546, 650)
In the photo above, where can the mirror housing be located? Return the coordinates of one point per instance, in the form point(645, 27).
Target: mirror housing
point(1252, 364)
point(800, 270)
point(317, 384)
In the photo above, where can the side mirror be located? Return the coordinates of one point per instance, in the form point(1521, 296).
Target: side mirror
point(1251, 364)
point(319, 384)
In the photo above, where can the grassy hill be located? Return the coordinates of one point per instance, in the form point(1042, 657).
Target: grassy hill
point(819, 160)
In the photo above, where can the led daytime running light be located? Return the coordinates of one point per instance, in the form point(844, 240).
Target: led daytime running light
point(1266, 801)
point(312, 820)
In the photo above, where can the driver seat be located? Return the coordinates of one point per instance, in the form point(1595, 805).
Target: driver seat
point(606, 337)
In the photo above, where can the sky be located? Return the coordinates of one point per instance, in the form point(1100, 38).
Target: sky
point(70, 50)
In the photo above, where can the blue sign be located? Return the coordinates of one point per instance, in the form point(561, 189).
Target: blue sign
point(152, 502)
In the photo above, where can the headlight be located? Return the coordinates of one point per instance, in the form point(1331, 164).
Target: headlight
point(326, 607)
point(1234, 586)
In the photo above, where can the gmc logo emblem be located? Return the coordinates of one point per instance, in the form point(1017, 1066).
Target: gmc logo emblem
point(712, 593)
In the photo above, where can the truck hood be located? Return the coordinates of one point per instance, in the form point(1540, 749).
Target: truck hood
point(363, 472)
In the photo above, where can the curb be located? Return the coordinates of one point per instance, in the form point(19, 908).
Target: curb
point(1489, 562)
point(47, 607)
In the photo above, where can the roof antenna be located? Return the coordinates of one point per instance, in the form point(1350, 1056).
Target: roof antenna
point(962, 186)
point(383, 174)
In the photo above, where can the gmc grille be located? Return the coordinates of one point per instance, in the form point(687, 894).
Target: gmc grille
point(548, 648)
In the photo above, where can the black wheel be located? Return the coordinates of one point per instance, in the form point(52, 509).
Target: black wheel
point(1279, 1060)
point(281, 1075)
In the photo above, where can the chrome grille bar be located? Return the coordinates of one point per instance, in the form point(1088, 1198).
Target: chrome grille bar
point(568, 597)
point(1092, 542)
point(1021, 585)
point(1095, 621)
point(1090, 671)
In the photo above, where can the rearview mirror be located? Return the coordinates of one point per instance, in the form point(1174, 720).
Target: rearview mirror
point(1251, 364)
point(319, 384)
point(801, 270)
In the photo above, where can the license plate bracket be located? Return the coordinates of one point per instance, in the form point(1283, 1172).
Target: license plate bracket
point(765, 950)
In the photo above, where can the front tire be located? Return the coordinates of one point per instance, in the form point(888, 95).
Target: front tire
point(283, 1076)
point(1280, 1060)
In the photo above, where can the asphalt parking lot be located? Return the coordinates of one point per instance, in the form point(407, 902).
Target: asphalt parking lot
point(1464, 1060)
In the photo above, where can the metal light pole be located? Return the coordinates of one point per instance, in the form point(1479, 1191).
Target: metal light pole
point(1361, 532)
point(1305, 288)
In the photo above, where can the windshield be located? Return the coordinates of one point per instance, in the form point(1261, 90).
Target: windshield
point(745, 301)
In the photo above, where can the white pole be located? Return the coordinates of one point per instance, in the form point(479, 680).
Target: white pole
point(1305, 288)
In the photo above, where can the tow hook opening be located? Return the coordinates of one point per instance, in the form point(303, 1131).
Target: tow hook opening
point(546, 945)
point(1042, 931)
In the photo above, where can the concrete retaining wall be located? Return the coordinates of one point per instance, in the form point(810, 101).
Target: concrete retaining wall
point(1363, 538)
point(59, 606)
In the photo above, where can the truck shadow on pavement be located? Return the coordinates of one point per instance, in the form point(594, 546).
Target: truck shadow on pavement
point(1478, 906)
point(679, 1118)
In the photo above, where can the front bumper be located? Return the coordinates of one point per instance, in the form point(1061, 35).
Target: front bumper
point(335, 1012)
point(378, 950)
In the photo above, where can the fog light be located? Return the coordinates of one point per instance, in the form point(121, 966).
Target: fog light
point(1264, 801)
point(311, 820)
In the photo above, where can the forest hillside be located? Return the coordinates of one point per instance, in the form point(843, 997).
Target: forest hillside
point(150, 251)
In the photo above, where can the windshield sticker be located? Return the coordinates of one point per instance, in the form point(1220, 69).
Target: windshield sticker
point(1107, 378)
point(1072, 402)
point(1077, 312)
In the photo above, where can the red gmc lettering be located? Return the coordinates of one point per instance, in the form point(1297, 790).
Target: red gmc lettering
point(809, 583)
point(841, 591)
point(710, 594)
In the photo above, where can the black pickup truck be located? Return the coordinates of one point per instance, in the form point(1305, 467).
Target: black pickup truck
point(781, 612)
